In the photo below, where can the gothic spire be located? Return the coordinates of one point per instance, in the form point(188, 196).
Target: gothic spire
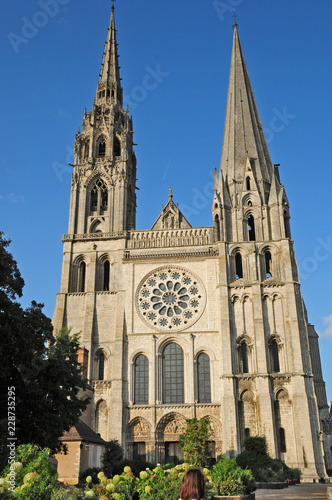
point(243, 134)
point(109, 85)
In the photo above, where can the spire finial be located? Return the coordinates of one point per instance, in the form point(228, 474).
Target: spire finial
point(235, 25)
point(112, 4)
point(170, 196)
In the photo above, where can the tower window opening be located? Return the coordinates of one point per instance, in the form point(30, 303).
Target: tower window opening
point(117, 147)
point(287, 225)
point(81, 277)
point(106, 277)
point(248, 186)
point(108, 92)
point(244, 358)
point(275, 356)
point(251, 228)
point(282, 438)
point(112, 93)
point(102, 148)
point(238, 266)
point(268, 265)
point(99, 197)
point(247, 432)
point(86, 149)
point(101, 366)
point(217, 227)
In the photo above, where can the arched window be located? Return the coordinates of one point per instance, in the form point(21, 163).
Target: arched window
point(86, 149)
point(287, 225)
point(244, 357)
point(203, 378)
point(248, 183)
point(117, 147)
point(101, 418)
point(81, 277)
point(141, 380)
point(101, 148)
point(173, 381)
point(99, 197)
point(238, 266)
point(101, 366)
point(106, 276)
point(275, 356)
point(247, 432)
point(217, 227)
point(268, 265)
point(251, 228)
point(282, 439)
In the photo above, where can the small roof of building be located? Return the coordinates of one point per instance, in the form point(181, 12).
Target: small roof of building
point(82, 432)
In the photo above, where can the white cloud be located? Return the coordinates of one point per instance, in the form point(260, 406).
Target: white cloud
point(13, 198)
point(327, 333)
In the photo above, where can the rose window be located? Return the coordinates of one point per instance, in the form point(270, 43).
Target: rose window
point(170, 298)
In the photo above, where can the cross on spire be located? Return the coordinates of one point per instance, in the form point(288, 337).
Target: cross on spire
point(235, 25)
point(112, 4)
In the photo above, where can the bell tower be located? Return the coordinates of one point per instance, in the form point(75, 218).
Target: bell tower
point(103, 195)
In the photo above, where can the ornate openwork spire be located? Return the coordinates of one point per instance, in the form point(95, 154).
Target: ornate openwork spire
point(109, 85)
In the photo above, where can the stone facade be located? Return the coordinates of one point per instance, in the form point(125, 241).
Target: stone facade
point(180, 322)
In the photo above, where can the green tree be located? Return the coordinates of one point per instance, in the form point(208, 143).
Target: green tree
point(42, 369)
point(194, 442)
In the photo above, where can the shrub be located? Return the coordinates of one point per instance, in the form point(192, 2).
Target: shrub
point(263, 467)
point(136, 466)
point(113, 455)
point(34, 476)
point(91, 471)
point(193, 442)
point(230, 479)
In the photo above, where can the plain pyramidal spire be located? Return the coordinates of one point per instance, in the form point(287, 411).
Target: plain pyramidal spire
point(243, 133)
point(109, 85)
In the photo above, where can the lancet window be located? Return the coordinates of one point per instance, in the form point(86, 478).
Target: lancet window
point(117, 147)
point(238, 266)
point(203, 378)
point(251, 228)
point(99, 197)
point(141, 380)
point(172, 374)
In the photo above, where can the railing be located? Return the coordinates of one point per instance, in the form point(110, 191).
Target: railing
point(198, 236)
point(95, 236)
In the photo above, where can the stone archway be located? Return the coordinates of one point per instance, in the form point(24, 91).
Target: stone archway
point(169, 429)
point(138, 439)
point(216, 438)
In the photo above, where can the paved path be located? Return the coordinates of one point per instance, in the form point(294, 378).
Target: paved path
point(299, 492)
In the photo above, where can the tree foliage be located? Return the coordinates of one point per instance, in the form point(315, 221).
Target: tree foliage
point(194, 442)
point(42, 369)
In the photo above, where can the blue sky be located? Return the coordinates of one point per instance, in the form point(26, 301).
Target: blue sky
point(51, 53)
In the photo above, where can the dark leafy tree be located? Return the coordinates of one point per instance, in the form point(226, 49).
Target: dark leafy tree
point(42, 369)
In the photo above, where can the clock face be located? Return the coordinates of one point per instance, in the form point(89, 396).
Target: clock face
point(170, 298)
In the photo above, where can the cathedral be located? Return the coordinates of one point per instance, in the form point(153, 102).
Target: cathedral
point(178, 321)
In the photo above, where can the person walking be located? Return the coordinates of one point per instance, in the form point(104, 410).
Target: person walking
point(193, 485)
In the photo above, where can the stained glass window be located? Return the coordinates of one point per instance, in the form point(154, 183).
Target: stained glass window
point(173, 382)
point(141, 380)
point(203, 378)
